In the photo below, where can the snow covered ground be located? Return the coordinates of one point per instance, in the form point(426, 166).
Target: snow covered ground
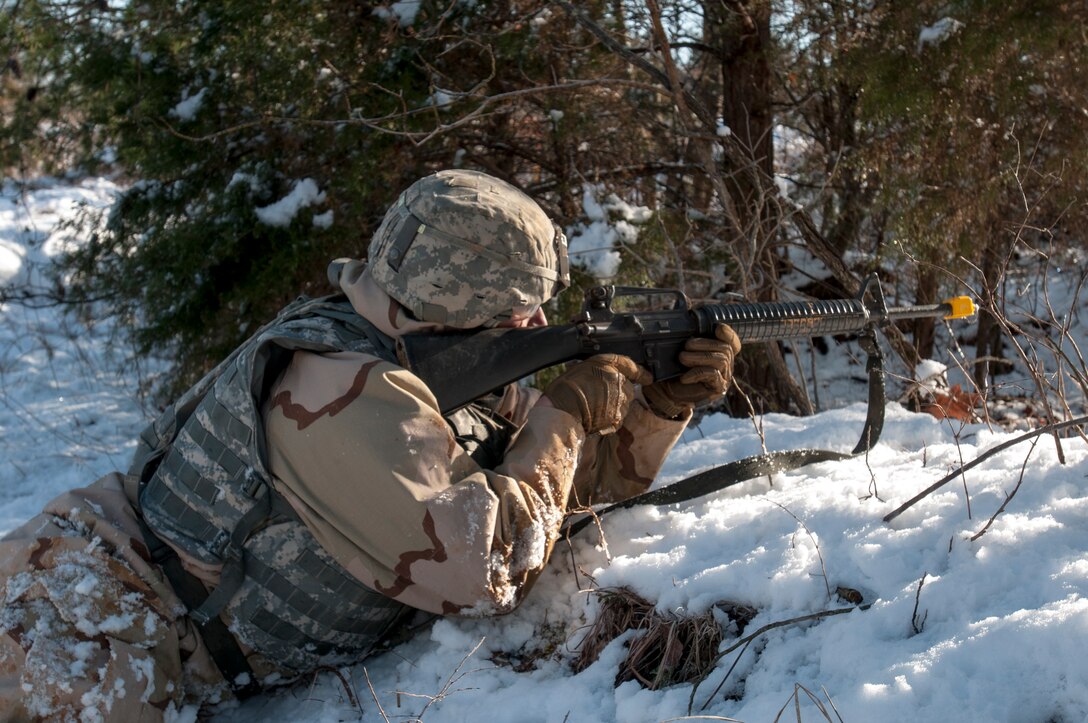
point(68, 404)
point(954, 628)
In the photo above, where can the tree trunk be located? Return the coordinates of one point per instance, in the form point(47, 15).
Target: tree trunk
point(925, 329)
point(740, 32)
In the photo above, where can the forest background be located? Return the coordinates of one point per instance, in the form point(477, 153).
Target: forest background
point(937, 143)
point(761, 150)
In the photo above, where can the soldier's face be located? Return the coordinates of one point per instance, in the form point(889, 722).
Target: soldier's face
point(524, 317)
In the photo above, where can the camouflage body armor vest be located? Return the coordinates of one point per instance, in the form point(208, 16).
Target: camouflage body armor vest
point(204, 487)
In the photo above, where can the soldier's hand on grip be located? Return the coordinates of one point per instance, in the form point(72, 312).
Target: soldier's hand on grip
point(710, 371)
point(598, 391)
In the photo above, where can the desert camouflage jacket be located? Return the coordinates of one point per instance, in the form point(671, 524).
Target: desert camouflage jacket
point(359, 448)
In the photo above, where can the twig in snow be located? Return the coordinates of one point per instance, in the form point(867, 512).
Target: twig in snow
point(743, 642)
point(455, 676)
point(757, 422)
point(823, 567)
point(374, 695)
point(873, 491)
point(916, 624)
point(602, 541)
point(796, 698)
point(959, 451)
point(1048, 429)
point(831, 703)
point(1010, 495)
point(349, 688)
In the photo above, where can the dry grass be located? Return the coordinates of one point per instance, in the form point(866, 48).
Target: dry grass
point(668, 649)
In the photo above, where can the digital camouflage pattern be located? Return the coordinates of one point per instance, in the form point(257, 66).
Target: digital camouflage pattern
point(89, 629)
point(360, 448)
point(211, 500)
point(460, 247)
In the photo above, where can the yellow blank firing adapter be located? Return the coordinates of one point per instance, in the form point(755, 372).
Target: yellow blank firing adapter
point(960, 307)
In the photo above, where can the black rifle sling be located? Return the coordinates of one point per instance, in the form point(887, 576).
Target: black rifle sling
point(742, 470)
point(223, 647)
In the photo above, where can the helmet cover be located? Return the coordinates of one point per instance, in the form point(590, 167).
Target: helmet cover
point(460, 248)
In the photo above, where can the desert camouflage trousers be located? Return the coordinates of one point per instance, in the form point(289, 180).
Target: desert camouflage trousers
point(89, 629)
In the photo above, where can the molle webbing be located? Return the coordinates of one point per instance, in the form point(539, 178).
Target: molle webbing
point(211, 497)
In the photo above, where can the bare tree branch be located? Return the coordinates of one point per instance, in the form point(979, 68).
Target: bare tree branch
point(418, 137)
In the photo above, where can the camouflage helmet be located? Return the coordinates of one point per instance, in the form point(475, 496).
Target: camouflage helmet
point(461, 248)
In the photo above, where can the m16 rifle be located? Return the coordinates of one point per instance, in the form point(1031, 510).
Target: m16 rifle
point(461, 366)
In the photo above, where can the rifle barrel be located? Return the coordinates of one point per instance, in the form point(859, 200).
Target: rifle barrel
point(792, 320)
point(783, 321)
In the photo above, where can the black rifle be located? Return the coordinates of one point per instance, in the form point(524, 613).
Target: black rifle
point(461, 366)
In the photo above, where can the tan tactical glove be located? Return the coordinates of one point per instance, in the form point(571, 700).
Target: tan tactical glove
point(709, 375)
point(598, 391)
